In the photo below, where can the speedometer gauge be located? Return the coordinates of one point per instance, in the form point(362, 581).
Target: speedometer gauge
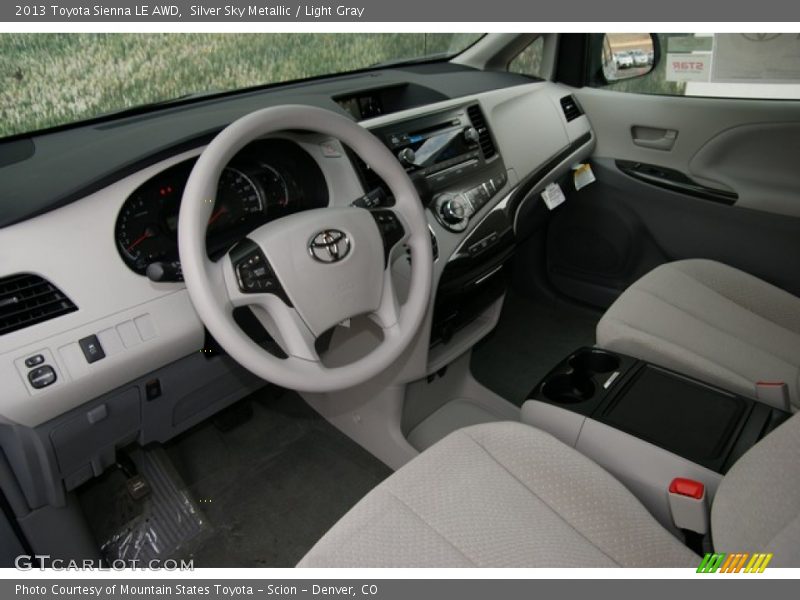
point(238, 199)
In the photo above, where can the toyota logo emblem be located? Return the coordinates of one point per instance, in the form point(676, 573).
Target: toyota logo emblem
point(329, 246)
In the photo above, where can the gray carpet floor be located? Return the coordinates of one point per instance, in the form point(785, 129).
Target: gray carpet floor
point(269, 488)
point(531, 337)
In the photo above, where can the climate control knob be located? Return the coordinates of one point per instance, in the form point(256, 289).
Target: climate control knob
point(453, 211)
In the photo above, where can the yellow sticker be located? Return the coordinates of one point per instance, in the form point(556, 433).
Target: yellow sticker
point(583, 176)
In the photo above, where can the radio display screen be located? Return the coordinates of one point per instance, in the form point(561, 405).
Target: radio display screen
point(436, 146)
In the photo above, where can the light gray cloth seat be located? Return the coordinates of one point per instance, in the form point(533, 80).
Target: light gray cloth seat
point(499, 495)
point(510, 495)
point(710, 321)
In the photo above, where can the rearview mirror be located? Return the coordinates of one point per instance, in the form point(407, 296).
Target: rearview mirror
point(627, 55)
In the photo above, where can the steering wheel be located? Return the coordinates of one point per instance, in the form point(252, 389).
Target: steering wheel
point(305, 273)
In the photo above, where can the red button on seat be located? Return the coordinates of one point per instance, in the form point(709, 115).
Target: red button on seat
point(687, 487)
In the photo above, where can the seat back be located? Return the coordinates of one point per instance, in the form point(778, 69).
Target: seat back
point(757, 505)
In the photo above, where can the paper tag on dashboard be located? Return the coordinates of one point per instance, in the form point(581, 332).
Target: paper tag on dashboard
point(583, 176)
point(553, 195)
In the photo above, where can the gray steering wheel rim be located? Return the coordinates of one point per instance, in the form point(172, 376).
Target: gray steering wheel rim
point(207, 288)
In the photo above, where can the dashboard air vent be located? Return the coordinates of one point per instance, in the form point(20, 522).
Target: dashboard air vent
point(571, 109)
point(27, 299)
point(485, 137)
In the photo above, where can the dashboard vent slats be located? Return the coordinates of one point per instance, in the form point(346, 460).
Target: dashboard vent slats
point(485, 137)
point(570, 107)
point(27, 299)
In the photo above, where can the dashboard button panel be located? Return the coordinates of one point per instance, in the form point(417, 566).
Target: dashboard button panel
point(34, 361)
point(41, 377)
point(454, 210)
point(92, 349)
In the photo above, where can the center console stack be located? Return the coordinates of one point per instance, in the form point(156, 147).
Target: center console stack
point(453, 159)
point(646, 424)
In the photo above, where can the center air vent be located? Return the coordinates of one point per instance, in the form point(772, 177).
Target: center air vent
point(484, 136)
point(570, 107)
point(27, 299)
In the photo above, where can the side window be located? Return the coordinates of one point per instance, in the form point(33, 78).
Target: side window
point(722, 65)
point(529, 61)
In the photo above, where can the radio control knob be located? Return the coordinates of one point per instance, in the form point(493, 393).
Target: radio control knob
point(406, 156)
point(471, 135)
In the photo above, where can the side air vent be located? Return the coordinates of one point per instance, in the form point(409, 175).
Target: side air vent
point(484, 136)
point(27, 299)
point(571, 109)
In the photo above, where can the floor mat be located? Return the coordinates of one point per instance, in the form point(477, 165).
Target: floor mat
point(164, 523)
point(529, 340)
point(272, 486)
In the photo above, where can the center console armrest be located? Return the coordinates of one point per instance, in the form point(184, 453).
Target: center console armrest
point(647, 425)
point(645, 469)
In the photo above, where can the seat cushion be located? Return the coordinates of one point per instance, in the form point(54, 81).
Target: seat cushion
point(499, 495)
point(711, 321)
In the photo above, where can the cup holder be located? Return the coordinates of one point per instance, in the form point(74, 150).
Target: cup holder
point(568, 388)
point(594, 361)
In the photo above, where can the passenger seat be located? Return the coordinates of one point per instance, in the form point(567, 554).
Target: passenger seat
point(711, 321)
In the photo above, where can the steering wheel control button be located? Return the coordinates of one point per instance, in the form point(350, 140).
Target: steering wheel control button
point(253, 271)
point(92, 349)
point(329, 246)
point(34, 361)
point(42, 376)
point(254, 274)
point(390, 228)
point(372, 199)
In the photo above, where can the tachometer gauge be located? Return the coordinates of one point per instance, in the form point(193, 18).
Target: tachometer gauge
point(140, 232)
point(275, 188)
point(239, 198)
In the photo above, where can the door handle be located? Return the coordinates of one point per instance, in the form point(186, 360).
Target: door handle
point(654, 138)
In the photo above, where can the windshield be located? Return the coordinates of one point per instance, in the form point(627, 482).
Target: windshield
point(55, 79)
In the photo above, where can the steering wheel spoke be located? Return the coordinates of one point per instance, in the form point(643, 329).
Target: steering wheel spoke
point(286, 326)
point(250, 280)
point(387, 315)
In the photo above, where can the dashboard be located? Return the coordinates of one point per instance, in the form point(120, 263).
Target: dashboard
point(108, 210)
point(267, 180)
point(114, 350)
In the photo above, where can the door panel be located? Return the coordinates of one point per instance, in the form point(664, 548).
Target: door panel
point(749, 147)
point(758, 161)
point(715, 178)
point(607, 235)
